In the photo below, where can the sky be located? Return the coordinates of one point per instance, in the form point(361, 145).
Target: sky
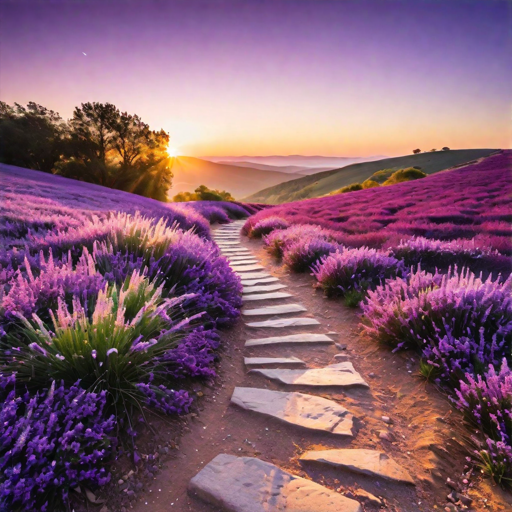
point(273, 77)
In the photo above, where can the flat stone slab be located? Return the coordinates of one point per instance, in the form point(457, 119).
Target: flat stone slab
point(307, 411)
point(339, 375)
point(227, 243)
point(262, 361)
point(251, 282)
point(263, 288)
point(285, 322)
point(254, 275)
point(246, 261)
point(240, 258)
point(367, 462)
point(266, 296)
point(282, 309)
point(235, 252)
point(247, 484)
point(291, 338)
point(246, 268)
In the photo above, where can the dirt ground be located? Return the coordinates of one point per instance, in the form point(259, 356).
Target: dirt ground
point(427, 434)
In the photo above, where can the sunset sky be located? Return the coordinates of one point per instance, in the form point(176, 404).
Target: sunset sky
point(262, 77)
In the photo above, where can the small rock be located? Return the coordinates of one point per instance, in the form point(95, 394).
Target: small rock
point(450, 483)
point(371, 374)
point(120, 481)
point(341, 346)
point(104, 509)
point(386, 419)
point(367, 497)
point(387, 436)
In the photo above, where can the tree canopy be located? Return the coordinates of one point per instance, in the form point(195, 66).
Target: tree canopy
point(99, 144)
point(203, 193)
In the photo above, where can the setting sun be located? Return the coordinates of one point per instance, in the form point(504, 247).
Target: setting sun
point(172, 152)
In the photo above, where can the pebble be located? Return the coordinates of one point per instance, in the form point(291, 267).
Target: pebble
point(341, 346)
point(387, 436)
point(450, 483)
point(386, 419)
point(120, 481)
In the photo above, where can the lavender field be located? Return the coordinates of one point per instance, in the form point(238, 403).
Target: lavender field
point(110, 305)
point(428, 262)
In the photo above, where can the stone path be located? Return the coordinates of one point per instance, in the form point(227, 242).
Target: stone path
point(247, 484)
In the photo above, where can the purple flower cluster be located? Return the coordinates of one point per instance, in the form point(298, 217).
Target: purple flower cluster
point(50, 443)
point(355, 269)
point(487, 400)
point(278, 240)
point(266, 226)
point(302, 254)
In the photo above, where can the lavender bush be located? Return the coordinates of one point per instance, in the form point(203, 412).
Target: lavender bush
point(266, 226)
point(302, 254)
point(50, 443)
point(355, 269)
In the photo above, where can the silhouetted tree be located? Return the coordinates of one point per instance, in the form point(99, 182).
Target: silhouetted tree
point(446, 149)
point(433, 150)
point(30, 136)
point(416, 151)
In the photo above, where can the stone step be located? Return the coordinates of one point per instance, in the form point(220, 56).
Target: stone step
point(262, 361)
point(228, 244)
point(282, 309)
point(246, 261)
point(246, 268)
point(284, 322)
point(306, 411)
point(240, 258)
point(305, 337)
point(334, 375)
point(266, 296)
point(263, 288)
point(254, 275)
point(367, 462)
point(247, 484)
point(251, 282)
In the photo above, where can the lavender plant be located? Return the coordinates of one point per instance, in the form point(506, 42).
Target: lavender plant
point(50, 443)
point(355, 269)
point(267, 225)
point(302, 254)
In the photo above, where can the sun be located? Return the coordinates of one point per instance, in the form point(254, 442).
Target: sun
point(172, 152)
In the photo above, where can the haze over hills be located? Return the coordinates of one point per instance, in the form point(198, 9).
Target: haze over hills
point(297, 169)
point(305, 162)
point(323, 183)
point(190, 172)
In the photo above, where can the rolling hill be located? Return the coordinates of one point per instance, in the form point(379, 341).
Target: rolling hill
point(191, 172)
point(323, 183)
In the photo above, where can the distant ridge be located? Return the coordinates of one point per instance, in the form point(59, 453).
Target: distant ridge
point(323, 183)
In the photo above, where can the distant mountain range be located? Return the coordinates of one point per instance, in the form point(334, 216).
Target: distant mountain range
point(301, 161)
point(240, 181)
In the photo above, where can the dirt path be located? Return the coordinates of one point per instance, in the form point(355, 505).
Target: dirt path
point(423, 434)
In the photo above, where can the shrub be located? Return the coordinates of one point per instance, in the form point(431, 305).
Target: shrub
point(487, 400)
point(402, 175)
point(117, 347)
point(355, 269)
point(278, 240)
point(51, 443)
point(300, 255)
point(369, 183)
point(347, 188)
point(267, 225)
point(441, 254)
point(459, 322)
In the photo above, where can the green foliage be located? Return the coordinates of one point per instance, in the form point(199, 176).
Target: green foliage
point(370, 184)
point(349, 188)
point(112, 348)
point(203, 193)
point(402, 175)
point(352, 298)
point(428, 371)
point(381, 176)
point(99, 145)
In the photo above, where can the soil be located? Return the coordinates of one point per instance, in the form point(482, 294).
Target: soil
point(428, 436)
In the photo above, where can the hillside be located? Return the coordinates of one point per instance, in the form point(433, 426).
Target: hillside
point(297, 169)
point(323, 183)
point(191, 172)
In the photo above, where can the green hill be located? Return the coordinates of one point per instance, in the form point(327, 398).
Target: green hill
point(325, 182)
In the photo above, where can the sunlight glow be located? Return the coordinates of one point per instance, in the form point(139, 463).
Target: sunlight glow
point(172, 152)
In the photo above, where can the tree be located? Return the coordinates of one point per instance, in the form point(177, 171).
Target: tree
point(31, 136)
point(446, 149)
point(433, 150)
point(117, 150)
point(203, 193)
point(416, 151)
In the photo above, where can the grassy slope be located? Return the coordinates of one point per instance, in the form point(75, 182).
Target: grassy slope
point(324, 182)
point(191, 172)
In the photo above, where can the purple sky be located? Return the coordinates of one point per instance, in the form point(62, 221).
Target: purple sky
point(231, 77)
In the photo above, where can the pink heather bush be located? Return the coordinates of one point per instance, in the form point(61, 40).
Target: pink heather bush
point(462, 203)
point(279, 239)
point(266, 226)
point(302, 254)
point(355, 270)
